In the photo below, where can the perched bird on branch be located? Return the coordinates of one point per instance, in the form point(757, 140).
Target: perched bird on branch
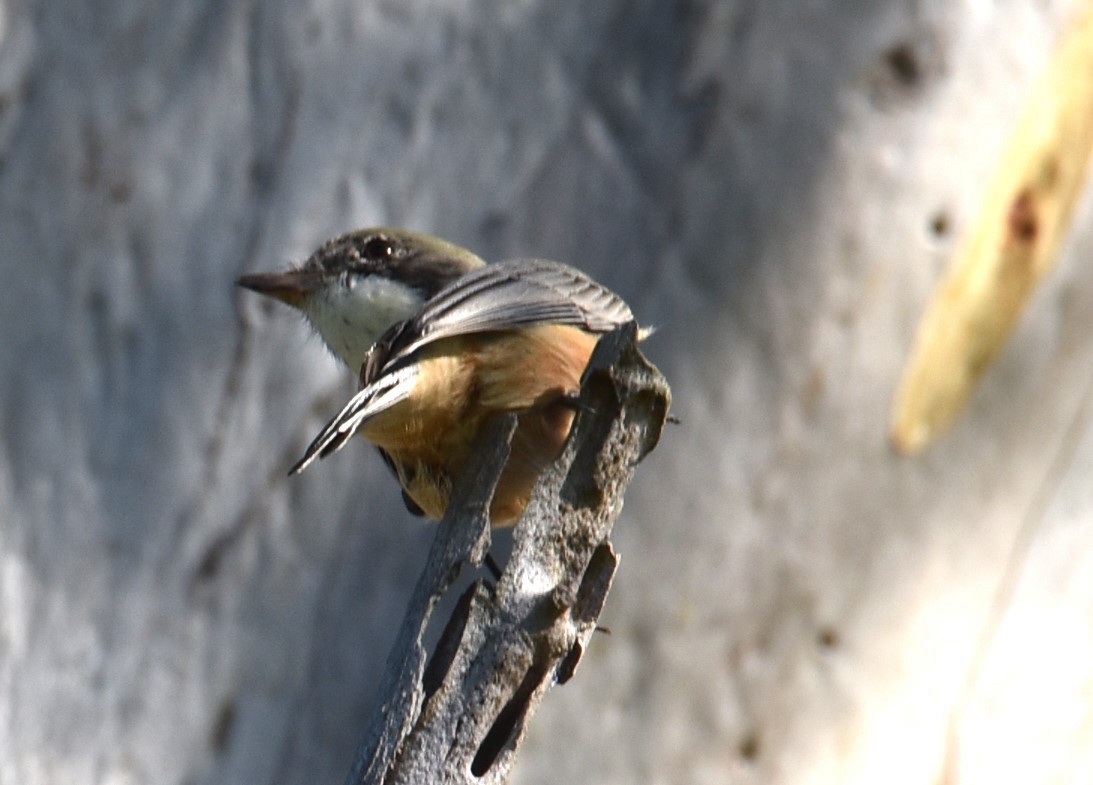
point(443, 342)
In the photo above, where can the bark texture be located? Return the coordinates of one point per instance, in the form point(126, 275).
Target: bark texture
point(777, 186)
point(461, 719)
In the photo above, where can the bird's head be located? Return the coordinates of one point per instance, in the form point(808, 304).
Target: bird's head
point(359, 284)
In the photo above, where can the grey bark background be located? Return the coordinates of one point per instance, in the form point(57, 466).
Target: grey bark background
point(776, 185)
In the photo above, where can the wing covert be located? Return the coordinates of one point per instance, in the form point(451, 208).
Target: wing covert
point(510, 295)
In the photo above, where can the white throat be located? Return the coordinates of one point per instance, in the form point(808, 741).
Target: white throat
point(351, 318)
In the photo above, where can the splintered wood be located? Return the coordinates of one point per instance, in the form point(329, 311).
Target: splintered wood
point(1024, 216)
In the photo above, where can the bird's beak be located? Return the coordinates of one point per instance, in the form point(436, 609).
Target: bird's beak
point(293, 287)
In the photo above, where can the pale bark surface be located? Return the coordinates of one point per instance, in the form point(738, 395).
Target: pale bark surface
point(776, 186)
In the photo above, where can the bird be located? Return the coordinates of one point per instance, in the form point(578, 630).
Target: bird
point(443, 342)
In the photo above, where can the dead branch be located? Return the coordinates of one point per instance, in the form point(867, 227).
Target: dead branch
point(461, 718)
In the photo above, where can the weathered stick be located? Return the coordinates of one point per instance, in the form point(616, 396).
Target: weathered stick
point(461, 719)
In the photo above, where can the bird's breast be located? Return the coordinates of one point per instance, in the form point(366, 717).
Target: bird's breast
point(463, 381)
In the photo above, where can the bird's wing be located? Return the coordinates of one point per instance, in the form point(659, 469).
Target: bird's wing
point(520, 293)
point(503, 296)
point(378, 396)
point(511, 295)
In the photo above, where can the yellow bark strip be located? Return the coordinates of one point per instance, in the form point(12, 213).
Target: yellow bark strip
point(1008, 251)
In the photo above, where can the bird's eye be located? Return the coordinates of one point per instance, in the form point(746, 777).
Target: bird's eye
point(378, 249)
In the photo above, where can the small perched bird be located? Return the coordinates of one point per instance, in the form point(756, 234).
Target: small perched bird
point(442, 342)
